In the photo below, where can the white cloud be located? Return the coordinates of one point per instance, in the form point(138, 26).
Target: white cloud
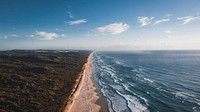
point(47, 36)
point(62, 35)
point(111, 29)
point(188, 19)
point(160, 21)
point(14, 35)
point(70, 14)
point(168, 33)
point(170, 36)
point(143, 21)
point(169, 15)
point(31, 35)
point(76, 22)
point(9, 36)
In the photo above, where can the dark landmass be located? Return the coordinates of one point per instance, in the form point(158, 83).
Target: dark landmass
point(33, 81)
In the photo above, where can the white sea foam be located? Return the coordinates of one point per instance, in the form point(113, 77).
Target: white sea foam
point(133, 103)
point(132, 84)
point(110, 106)
point(112, 73)
point(119, 104)
point(188, 97)
point(99, 59)
point(184, 95)
point(127, 88)
point(196, 109)
point(120, 63)
point(140, 69)
point(149, 80)
point(164, 90)
point(135, 70)
point(116, 103)
point(120, 79)
point(117, 87)
point(105, 94)
point(107, 68)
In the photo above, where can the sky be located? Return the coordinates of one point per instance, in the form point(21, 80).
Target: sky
point(100, 24)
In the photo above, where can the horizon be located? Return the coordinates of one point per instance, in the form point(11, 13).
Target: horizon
point(99, 50)
point(104, 25)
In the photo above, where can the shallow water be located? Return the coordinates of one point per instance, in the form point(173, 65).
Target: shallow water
point(155, 81)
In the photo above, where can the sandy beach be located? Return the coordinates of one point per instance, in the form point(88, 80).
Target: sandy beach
point(85, 95)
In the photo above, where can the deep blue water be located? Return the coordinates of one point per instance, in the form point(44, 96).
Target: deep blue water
point(154, 81)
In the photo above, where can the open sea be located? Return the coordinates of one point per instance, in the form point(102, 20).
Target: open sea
point(149, 81)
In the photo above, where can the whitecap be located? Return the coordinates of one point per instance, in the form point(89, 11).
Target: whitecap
point(119, 63)
point(135, 70)
point(149, 80)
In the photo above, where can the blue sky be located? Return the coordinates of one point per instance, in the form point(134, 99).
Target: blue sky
point(100, 24)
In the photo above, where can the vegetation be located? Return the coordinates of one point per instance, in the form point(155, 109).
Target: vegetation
point(34, 81)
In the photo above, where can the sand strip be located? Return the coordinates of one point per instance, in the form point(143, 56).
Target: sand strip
point(85, 96)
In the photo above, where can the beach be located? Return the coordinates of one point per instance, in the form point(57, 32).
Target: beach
point(85, 95)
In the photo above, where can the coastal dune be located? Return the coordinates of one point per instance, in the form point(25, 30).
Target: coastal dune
point(84, 96)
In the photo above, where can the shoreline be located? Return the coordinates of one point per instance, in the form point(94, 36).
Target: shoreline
point(68, 104)
point(86, 96)
point(102, 101)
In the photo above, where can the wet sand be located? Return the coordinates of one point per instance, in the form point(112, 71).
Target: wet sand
point(86, 97)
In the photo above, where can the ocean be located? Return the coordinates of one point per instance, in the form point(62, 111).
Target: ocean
point(149, 81)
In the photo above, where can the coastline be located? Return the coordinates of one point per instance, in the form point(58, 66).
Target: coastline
point(86, 96)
